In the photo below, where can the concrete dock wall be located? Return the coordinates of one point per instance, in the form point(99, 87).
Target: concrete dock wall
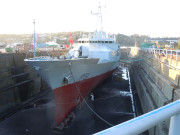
point(157, 79)
point(18, 81)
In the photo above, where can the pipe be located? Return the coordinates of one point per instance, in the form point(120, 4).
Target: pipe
point(144, 122)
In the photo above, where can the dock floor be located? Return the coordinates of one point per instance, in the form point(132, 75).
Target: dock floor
point(111, 102)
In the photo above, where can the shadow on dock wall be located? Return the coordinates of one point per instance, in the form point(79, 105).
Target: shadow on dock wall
point(157, 81)
point(18, 82)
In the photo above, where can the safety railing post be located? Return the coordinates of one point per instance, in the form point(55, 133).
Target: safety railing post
point(176, 57)
point(174, 128)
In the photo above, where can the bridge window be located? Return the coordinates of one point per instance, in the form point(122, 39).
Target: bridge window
point(80, 51)
point(79, 41)
point(82, 41)
point(95, 41)
point(99, 41)
point(110, 42)
point(102, 41)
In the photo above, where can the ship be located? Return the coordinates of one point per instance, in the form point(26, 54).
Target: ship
point(71, 78)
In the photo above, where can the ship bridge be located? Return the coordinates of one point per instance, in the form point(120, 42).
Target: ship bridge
point(103, 41)
point(106, 50)
point(98, 37)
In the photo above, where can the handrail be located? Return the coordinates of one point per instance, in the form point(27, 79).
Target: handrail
point(144, 122)
point(165, 52)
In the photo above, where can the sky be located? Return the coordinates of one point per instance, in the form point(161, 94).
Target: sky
point(155, 18)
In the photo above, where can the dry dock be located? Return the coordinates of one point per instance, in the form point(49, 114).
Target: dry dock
point(112, 102)
point(27, 104)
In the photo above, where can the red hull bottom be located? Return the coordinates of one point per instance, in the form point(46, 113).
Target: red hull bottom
point(67, 97)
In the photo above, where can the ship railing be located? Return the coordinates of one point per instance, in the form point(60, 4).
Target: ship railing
point(144, 122)
point(39, 58)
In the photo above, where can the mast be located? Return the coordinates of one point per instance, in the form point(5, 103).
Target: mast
point(34, 40)
point(100, 15)
point(99, 27)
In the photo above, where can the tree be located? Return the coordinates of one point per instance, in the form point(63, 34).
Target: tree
point(124, 40)
point(178, 46)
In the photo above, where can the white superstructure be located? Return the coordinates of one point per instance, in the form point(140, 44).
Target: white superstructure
point(104, 48)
